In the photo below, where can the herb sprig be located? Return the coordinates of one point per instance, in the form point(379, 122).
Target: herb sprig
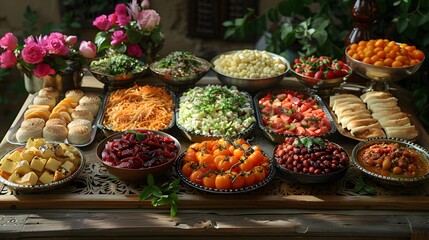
point(308, 142)
point(166, 194)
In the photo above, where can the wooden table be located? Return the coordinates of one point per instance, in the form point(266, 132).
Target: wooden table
point(252, 216)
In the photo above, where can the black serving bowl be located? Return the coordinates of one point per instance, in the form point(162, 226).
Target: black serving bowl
point(389, 178)
point(305, 177)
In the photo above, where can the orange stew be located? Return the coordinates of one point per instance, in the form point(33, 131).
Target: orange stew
point(392, 160)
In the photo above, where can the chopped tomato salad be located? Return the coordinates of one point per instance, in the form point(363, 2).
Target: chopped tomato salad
point(291, 112)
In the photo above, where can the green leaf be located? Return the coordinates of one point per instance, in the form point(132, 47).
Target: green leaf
point(134, 36)
point(228, 24)
point(150, 180)
point(402, 24)
point(286, 30)
point(320, 23)
point(273, 15)
point(321, 36)
point(146, 192)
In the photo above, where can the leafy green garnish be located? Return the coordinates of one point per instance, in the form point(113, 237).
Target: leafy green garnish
point(164, 195)
point(362, 186)
point(308, 142)
point(117, 64)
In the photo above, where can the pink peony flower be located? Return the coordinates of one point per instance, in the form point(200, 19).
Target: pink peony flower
point(56, 46)
point(9, 41)
point(29, 40)
point(134, 50)
point(121, 9)
point(118, 37)
point(113, 18)
point(71, 40)
point(43, 70)
point(88, 49)
point(57, 35)
point(7, 59)
point(123, 20)
point(145, 4)
point(102, 22)
point(33, 53)
point(148, 19)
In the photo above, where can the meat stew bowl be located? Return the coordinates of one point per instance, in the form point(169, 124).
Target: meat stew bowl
point(392, 161)
point(132, 155)
point(310, 160)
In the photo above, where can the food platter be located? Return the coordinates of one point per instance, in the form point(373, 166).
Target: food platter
point(279, 137)
point(108, 130)
point(400, 103)
point(11, 136)
point(178, 165)
point(198, 137)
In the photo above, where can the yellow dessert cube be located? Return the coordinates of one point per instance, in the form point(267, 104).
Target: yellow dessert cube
point(22, 168)
point(46, 177)
point(35, 142)
point(69, 166)
point(8, 166)
point(5, 157)
point(15, 156)
point(38, 163)
point(15, 178)
point(58, 150)
point(29, 179)
point(27, 155)
point(59, 175)
point(46, 151)
point(52, 164)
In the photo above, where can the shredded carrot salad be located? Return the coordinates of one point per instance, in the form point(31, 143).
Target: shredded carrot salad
point(144, 107)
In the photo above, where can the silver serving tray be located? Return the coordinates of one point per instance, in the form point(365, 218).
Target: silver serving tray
point(109, 131)
point(11, 136)
point(195, 137)
point(279, 137)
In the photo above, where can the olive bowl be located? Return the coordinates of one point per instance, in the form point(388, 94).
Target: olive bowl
point(391, 179)
point(136, 175)
point(113, 82)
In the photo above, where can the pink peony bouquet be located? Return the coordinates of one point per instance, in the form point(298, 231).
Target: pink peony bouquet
point(132, 29)
point(46, 54)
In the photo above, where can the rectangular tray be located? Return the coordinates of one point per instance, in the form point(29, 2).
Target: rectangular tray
point(109, 131)
point(11, 136)
point(279, 137)
point(194, 137)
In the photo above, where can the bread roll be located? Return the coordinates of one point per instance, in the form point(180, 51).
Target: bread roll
point(333, 98)
point(43, 107)
point(361, 122)
point(395, 122)
point(377, 106)
point(344, 102)
point(382, 100)
point(76, 94)
point(376, 94)
point(29, 131)
point(407, 132)
point(368, 132)
point(383, 113)
point(79, 134)
point(38, 122)
point(354, 116)
point(49, 92)
point(44, 100)
point(56, 121)
point(382, 108)
point(80, 122)
point(82, 114)
point(90, 98)
point(55, 133)
point(397, 115)
point(92, 107)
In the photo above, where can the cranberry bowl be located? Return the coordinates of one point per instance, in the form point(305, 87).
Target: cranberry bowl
point(132, 155)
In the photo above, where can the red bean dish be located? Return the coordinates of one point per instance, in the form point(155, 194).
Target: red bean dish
point(139, 149)
point(392, 160)
point(311, 155)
